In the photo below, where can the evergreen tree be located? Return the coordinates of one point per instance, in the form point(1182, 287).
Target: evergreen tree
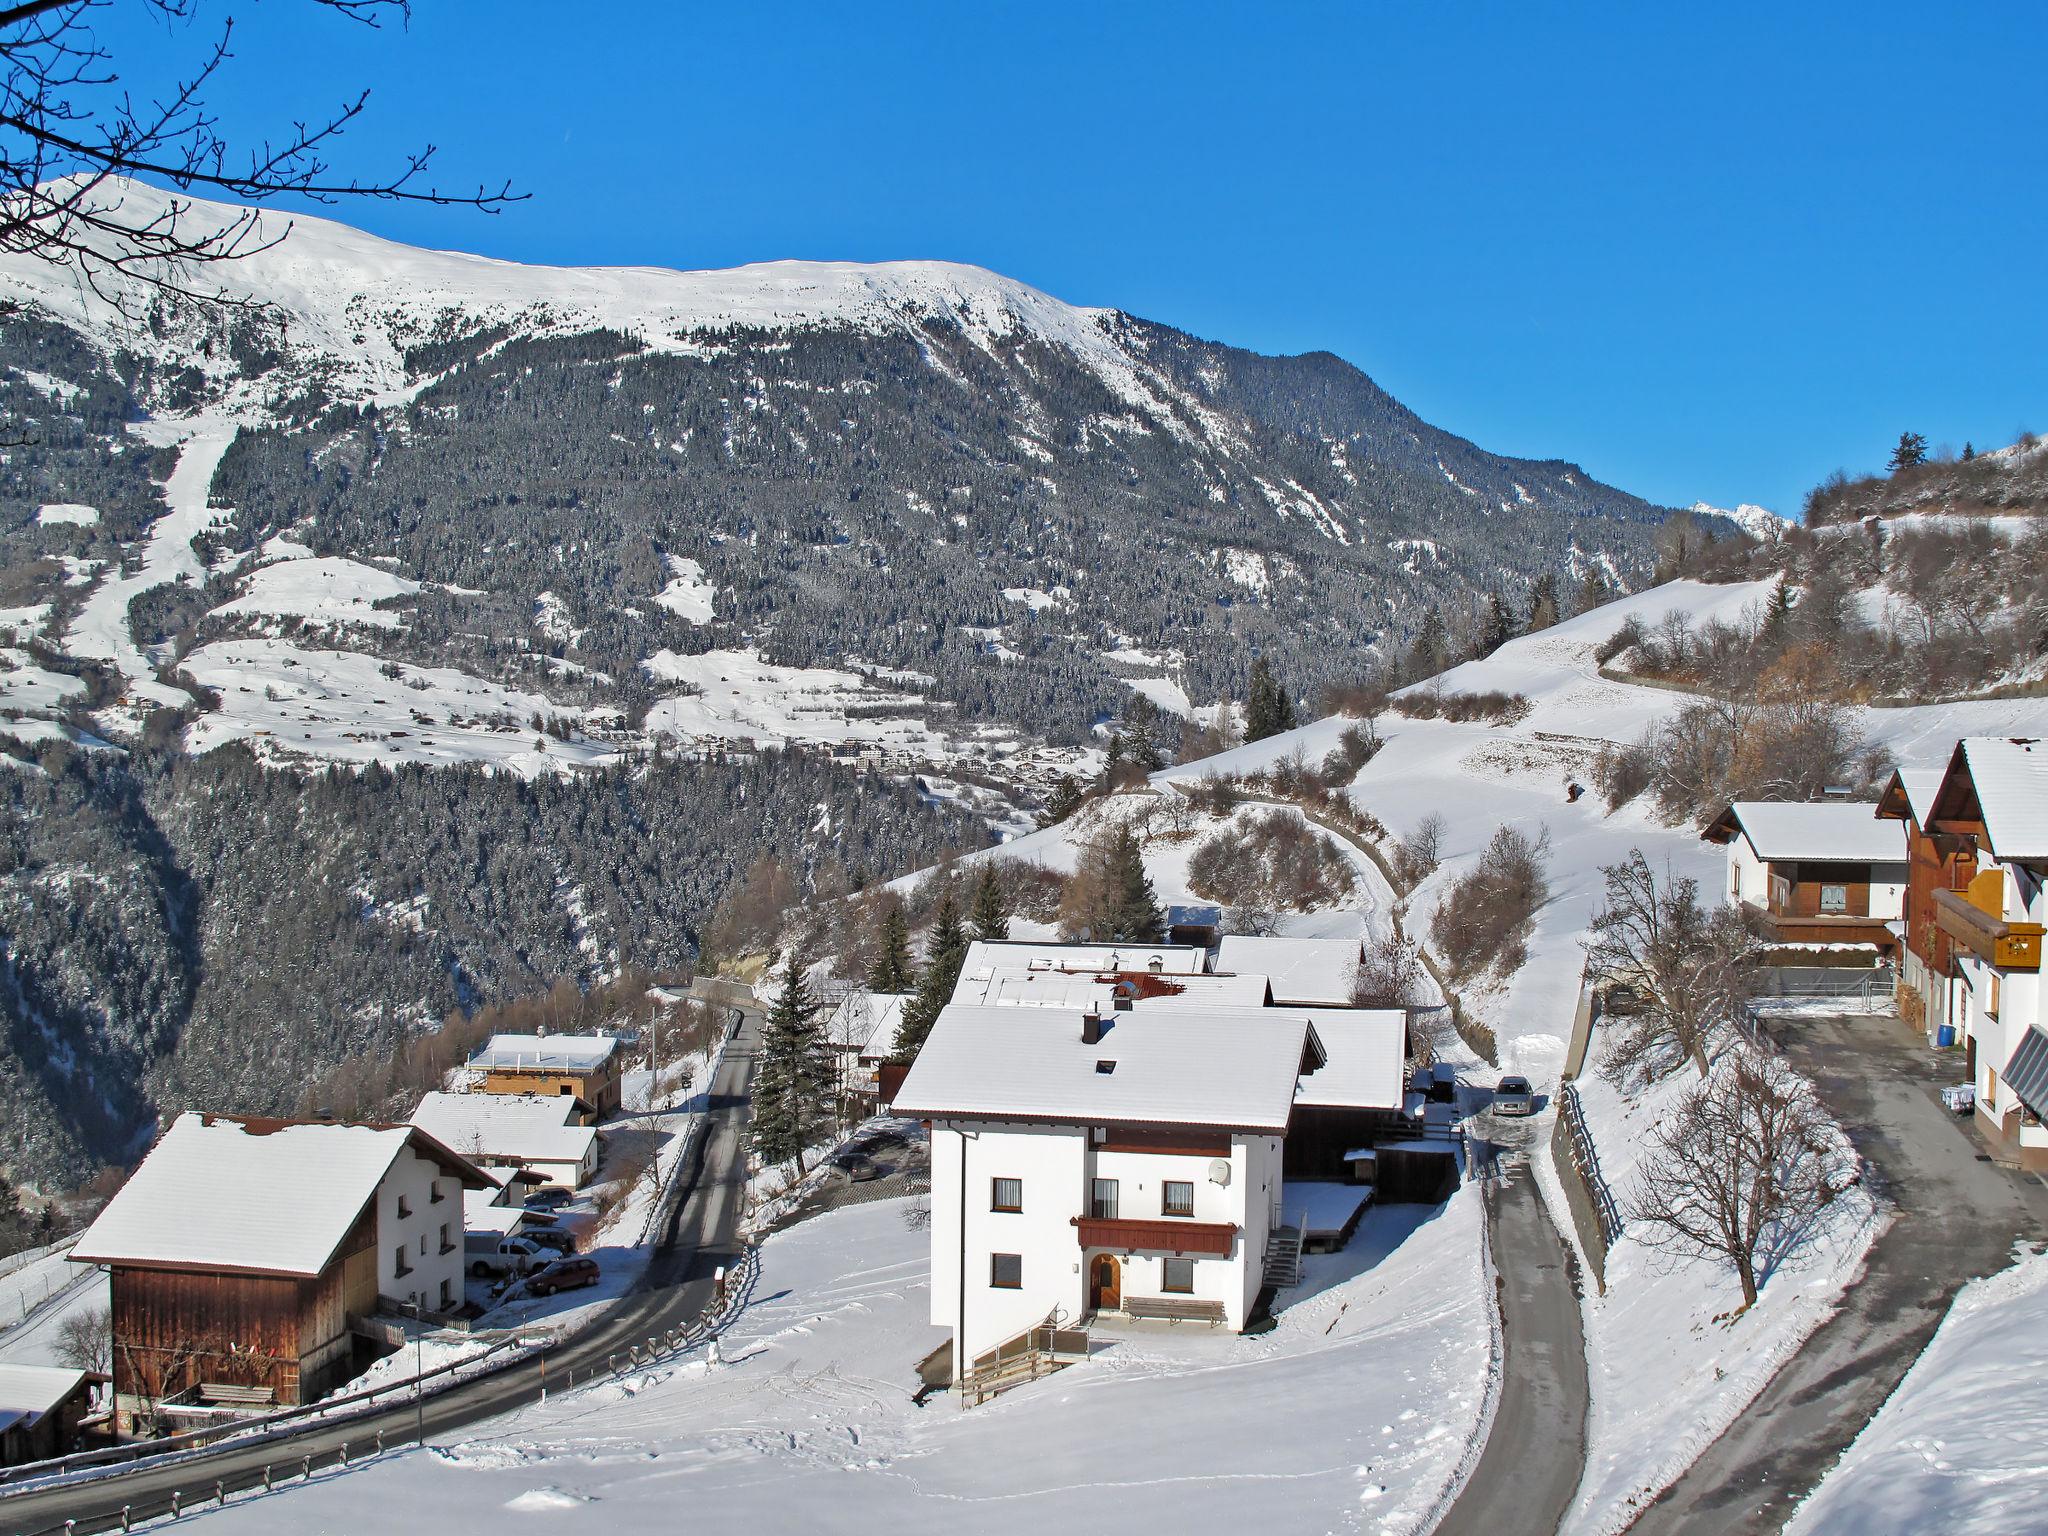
point(1499, 628)
point(945, 954)
point(1062, 803)
point(1132, 914)
point(1431, 651)
point(1267, 709)
point(892, 970)
point(1911, 452)
point(1593, 591)
point(1969, 452)
point(796, 1084)
point(1141, 734)
point(991, 911)
point(1543, 609)
point(1778, 613)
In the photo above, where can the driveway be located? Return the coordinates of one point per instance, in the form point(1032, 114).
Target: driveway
point(1536, 1450)
point(1958, 1216)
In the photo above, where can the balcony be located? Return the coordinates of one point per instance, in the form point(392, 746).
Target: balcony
point(1162, 1235)
point(2008, 946)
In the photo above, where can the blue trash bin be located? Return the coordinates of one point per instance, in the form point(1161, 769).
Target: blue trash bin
point(1945, 1036)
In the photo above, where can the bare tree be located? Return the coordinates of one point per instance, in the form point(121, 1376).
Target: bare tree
point(1416, 856)
point(85, 1340)
point(1742, 1171)
point(1689, 969)
point(72, 131)
point(1482, 923)
point(1389, 972)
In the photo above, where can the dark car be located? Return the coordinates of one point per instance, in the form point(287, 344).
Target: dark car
point(859, 1170)
point(1513, 1096)
point(550, 1237)
point(548, 1196)
point(1621, 1000)
point(563, 1275)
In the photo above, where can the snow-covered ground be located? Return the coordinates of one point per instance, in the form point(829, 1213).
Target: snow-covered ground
point(36, 1298)
point(325, 589)
point(1351, 1415)
point(1959, 1447)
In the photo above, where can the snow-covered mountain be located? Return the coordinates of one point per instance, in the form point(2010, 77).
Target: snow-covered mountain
point(1758, 522)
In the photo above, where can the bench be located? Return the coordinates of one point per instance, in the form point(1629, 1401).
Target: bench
point(1174, 1309)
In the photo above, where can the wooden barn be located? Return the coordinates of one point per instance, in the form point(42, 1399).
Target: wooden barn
point(244, 1254)
point(41, 1407)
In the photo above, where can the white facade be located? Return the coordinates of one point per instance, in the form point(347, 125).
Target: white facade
point(1055, 1167)
point(419, 1234)
point(1993, 1009)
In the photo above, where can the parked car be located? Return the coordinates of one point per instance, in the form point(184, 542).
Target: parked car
point(563, 1275)
point(556, 1238)
point(550, 1197)
point(860, 1170)
point(485, 1253)
point(1513, 1096)
point(1621, 1000)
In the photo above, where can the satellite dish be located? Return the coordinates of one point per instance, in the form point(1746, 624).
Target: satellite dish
point(1219, 1172)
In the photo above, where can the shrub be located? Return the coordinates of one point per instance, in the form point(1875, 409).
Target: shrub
point(1627, 635)
point(1482, 923)
point(1624, 772)
point(1489, 708)
point(1275, 862)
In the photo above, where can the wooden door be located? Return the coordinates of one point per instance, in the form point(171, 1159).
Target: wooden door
point(1105, 1293)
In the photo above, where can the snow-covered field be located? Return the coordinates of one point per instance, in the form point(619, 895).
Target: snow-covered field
point(1959, 1446)
point(1351, 1415)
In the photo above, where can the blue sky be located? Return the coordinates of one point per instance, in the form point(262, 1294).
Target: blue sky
point(1705, 251)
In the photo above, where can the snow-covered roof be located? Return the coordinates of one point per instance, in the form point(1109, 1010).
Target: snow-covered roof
point(528, 1127)
point(1177, 1066)
point(865, 1022)
point(30, 1391)
point(2011, 780)
point(1919, 786)
point(484, 1210)
point(1204, 992)
point(545, 1053)
point(1034, 989)
point(1305, 971)
point(243, 1194)
point(993, 955)
point(1824, 831)
point(1367, 1059)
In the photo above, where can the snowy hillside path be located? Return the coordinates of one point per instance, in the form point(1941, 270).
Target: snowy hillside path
point(1957, 1221)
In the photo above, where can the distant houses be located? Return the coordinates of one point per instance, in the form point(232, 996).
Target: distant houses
point(1819, 873)
point(41, 1409)
point(541, 1135)
point(244, 1254)
point(585, 1067)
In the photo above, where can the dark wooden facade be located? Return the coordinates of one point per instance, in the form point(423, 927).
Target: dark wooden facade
point(54, 1432)
point(176, 1329)
point(1319, 1135)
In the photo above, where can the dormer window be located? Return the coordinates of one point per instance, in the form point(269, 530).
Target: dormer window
point(404, 1207)
point(1104, 1068)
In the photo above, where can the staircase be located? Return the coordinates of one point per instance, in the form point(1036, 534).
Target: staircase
point(1283, 1258)
point(1035, 1353)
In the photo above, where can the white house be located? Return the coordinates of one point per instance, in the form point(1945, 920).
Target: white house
point(1823, 872)
point(1100, 1163)
point(1995, 793)
point(534, 1131)
point(1034, 956)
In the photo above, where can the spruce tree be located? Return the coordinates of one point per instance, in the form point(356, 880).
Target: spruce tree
point(892, 970)
point(1593, 591)
point(1267, 709)
point(1911, 452)
point(1969, 452)
point(1430, 653)
point(1131, 912)
point(1499, 628)
point(991, 911)
point(1062, 803)
point(944, 957)
point(796, 1084)
point(1543, 609)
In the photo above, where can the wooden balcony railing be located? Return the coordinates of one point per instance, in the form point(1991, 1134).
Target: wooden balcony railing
point(2009, 946)
point(1162, 1235)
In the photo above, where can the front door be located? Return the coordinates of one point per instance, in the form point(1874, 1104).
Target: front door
point(1105, 1290)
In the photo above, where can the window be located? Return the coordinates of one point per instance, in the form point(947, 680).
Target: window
point(399, 1266)
point(423, 1244)
point(404, 1207)
point(1006, 1271)
point(447, 1296)
point(1834, 898)
point(1177, 1276)
point(566, 1088)
point(434, 1193)
point(1102, 1199)
point(1177, 1198)
point(1006, 1195)
point(446, 1246)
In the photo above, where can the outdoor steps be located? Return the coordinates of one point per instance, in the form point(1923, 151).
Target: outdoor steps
point(1283, 1258)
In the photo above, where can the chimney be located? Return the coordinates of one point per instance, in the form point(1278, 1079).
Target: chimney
point(1091, 1026)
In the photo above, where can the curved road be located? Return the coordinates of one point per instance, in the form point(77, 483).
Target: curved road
point(702, 1234)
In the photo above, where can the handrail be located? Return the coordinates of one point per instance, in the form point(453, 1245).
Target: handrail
point(1587, 1160)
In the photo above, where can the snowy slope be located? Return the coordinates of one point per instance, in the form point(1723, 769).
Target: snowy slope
point(1958, 1447)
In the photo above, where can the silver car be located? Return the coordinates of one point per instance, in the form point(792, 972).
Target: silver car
point(1514, 1096)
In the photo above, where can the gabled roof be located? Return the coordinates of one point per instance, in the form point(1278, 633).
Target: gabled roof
point(532, 1127)
point(253, 1196)
point(544, 1053)
point(27, 1392)
point(993, 955)
point(1819, 831)
point(1202, 916)
point(1909, 792)
point(1170, 1066)
point(1367, 1065)
point(1305, 971)
point(2001, 782)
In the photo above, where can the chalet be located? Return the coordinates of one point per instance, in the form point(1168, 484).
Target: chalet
point(1312, 973)
point(861, 1031)
point(1994, 793)
point(1201, 925)
point(1359, 1095)
point(1935, 861)
point(1086, 1164)
point(586, 1067)
point(542, 1134)
point(41, 1409)
point(245, 1253)
point(1828, 872)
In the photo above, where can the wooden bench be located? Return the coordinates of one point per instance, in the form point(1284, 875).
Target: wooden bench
point(1174, 1309)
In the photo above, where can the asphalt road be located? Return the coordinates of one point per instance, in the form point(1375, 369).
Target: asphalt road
point(702, 1235)
point(1536, 1450)
point(1957, 1219)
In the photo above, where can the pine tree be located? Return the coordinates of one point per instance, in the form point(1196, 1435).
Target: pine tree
point(1593, 591)
point(1267, 709)
point(1133, 914)
point(991, 911)
point(1062, 803)
point(892, 970)
point(945, 955)
point(1911, 452)
point(1543, 609)
point(1141, 734)
point(796, 1085)
point(1499, 628)
point(1969, 452)
point(1430, 653)
point(1778, 613)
